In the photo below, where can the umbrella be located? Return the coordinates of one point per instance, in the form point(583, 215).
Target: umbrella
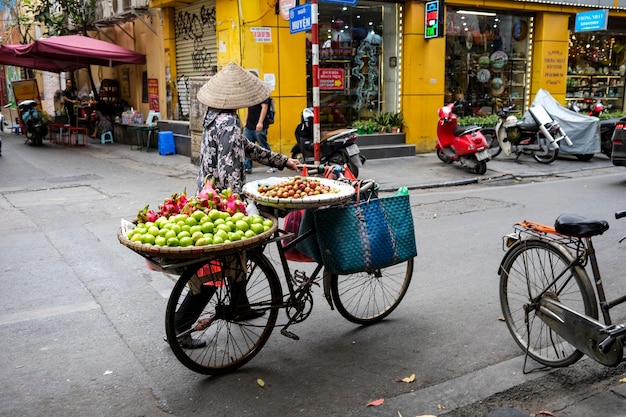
point(8, 56)
point(81, 51)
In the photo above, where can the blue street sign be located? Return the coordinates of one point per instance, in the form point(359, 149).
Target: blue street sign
point(350, 2)
point(591, 21)
point(300, 19)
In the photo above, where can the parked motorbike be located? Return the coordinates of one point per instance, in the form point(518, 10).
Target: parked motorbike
point(337, 147)
point(540, 138)
point(35, 129)
point(465, 144)
point(607, 127)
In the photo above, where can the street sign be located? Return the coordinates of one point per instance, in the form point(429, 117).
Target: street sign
point(300, 19)
point(591, 21)
point(350, 2)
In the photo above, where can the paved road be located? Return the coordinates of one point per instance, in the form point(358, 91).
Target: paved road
point(81, 319)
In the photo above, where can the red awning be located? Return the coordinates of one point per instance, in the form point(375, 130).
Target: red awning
point(66, 53)
point(8, 57)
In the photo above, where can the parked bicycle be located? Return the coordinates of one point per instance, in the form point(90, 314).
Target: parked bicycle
point(550, 305)
point(230, 325)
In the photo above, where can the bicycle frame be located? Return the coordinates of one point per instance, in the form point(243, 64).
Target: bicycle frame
point(601, 341)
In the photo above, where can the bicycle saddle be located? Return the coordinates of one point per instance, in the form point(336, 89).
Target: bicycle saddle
point(578, 226)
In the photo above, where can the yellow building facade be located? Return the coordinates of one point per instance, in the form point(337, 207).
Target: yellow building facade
point(255, 35)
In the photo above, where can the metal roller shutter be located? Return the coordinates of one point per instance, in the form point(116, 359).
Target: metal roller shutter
point(196, 48)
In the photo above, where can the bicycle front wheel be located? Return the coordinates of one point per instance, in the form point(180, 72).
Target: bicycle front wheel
point(366, 298)
point(218, 317)
point(528, 269)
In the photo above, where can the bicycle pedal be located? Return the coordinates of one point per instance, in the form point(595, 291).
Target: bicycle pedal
point(288, 334)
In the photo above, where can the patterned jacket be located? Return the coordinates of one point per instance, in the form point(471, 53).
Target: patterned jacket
point(224, 148)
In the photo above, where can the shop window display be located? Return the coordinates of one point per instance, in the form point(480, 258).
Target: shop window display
point(595, 71)
point(356, 79)
point(487, 61)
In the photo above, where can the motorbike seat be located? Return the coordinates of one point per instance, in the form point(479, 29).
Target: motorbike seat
point(579, 226)
point(330, 134)
point(529, 125)
point(464, 130)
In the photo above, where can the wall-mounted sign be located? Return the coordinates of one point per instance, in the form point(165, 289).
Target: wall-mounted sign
point(331, 78)
point(262, 34)
point(592, 21)
point(284, 6)
point(300, 19)
point(433, 19)
point(153, 94)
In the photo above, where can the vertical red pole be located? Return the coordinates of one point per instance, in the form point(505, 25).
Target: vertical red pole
point(315, 54)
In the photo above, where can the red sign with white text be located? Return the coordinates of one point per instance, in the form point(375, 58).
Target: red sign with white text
point(331, 78)
point(153, 94)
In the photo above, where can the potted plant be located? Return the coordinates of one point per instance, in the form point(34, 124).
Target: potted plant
point(396, 120)
point(383, 121)
point(370, 126)
point(365, 126)
point(359, 125)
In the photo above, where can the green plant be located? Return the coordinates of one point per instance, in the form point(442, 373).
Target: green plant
point(612, 115)
point(382, 120)
point(482, 121)
point(396, 119)
point(368, 125)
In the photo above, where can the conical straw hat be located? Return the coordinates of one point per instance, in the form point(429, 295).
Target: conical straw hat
point(233, 88)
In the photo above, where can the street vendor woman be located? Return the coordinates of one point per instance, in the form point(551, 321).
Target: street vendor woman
point(222, 158)
point(224, 147)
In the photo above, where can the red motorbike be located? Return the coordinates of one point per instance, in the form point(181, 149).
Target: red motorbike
point(465, 144)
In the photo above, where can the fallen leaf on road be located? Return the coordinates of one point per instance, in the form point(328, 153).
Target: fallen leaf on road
point(543, 413)
point(399, 414)
point(376, 403)
point(501, 318)
point(261, 383)
point(623, 380)
point(408, 379)
point(441, 407)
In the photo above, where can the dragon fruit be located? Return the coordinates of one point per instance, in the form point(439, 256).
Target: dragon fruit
point(207, 199)
point(233, 204)
point(147, 215)
point(173, 205)
point(209, 192)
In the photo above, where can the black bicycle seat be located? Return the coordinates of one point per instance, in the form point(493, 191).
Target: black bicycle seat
point(579, 226)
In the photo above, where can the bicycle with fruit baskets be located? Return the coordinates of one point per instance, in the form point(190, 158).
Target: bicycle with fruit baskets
point(234, 317)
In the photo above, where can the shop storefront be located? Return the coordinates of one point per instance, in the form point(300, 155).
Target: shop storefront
point(488, 60)
point(359, 71)
point(596, 67)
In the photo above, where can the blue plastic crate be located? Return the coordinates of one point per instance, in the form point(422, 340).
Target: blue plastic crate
point(167, 146)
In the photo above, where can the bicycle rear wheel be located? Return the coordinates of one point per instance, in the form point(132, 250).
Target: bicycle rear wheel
point(527, 269)
point(207, 307)
point(366, 298)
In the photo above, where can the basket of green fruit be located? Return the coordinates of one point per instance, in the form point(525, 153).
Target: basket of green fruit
point(212, 223)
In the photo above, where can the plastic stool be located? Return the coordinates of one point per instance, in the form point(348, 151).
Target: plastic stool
point(78, 134)
point(166, 143)
point(106, 137)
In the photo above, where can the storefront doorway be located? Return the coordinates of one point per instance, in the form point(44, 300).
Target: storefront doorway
point(487, 60)
point(359, 63)
point(595, 70)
